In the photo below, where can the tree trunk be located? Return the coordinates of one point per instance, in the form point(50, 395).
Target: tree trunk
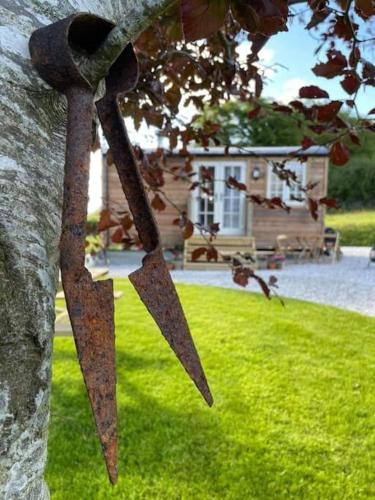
point(31, 186)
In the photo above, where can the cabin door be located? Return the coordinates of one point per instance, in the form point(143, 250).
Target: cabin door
point(214, 201)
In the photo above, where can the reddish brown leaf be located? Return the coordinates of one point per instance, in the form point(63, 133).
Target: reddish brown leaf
point(202, 18)
point(281, 108)
point(126, 223)
point(118, 235)
point(157, 203)
point(264, 17)
point(173, 96)
point(197, 253)
point(107, 220)
point(312, 92)
point(339, 154)
point(254, 113)
point(241, 276)
point(212, 254)
point(351, 82)
point(263, 285)
point(365, 8)
point(333, 67)
point(371, 112)
point(368, 70)
point(258, 85)
point(343, 29)
point(233, 182)
point(355, 138)
point(329, 202)
point(307, 142)
point(354, 57)
point(317, 17)
point(188, 230)
point(328, 112)
point(313, 208)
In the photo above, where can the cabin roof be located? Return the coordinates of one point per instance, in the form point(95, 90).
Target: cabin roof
point(255, 151)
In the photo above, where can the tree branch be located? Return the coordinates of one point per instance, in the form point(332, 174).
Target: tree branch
point(139, 15)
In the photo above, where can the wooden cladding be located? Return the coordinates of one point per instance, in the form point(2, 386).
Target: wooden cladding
point(261, 223)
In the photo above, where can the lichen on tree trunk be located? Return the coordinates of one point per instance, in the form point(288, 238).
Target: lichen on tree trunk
point(32, 141)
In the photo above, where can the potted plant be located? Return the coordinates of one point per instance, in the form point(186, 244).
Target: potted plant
point(276, 261)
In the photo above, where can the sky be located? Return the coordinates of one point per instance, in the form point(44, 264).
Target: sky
point(289, 57)
point(294, 51)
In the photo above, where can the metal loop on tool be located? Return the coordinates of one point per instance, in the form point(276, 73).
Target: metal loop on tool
point(52, 48)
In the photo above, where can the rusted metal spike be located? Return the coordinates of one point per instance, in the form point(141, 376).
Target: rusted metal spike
point(90, 304)
point(157, 291)
point(152, 281)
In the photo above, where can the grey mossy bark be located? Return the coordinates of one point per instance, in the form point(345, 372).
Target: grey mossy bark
point(32, 143)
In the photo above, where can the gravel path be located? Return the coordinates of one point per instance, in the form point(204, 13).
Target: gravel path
point(348, 284)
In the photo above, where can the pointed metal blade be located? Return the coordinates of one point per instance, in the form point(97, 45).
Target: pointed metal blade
point(91, 311)
point(157, 291)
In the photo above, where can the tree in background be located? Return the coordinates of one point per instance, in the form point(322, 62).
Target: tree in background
point(354, 186)
point(267, 128)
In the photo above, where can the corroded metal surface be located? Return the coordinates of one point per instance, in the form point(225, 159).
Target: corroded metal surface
point(90, 304)
point(152, 281)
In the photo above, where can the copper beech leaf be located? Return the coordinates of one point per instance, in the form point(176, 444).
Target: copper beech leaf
point(312, 92)
point(212, 254)
point(118, 235)
point(254, 113)
point(307, 142)
point(188, 229)
point(126, 222)
point(328, 112)
point(313, 207)
point(197, 253)
point(355, 138)
point(202, 18)
point(241, 276)
point(365, 8)
point(158, 204)
point(339, 154)
point(334, 66)
point(351, 83)
point(329, 202)
point(107, 220)
point(264, 17)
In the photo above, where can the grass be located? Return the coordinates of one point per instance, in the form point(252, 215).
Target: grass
point(293, 416)
point(357, 228)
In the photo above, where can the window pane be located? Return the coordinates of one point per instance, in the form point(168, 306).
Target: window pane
point(226, 220)
point(235, 220)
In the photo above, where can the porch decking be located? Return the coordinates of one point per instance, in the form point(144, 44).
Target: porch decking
point(227, 246)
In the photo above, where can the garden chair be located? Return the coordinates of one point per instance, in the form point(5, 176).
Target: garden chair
point(331, 244)
point(284, 246)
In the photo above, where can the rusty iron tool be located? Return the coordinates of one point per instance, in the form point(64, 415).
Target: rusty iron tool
point(152, 281)
point(90, 304)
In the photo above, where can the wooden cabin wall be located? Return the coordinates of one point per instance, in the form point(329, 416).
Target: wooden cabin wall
point(262, 223)
point(268, 224)
point(177, 191)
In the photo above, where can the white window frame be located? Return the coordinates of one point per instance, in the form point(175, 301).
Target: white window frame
point(220, 165)
point(286, 189)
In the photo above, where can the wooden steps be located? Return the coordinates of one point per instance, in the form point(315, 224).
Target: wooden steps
point(227, 246)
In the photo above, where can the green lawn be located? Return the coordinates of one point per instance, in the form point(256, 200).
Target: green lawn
point(357, 228)
point(294, 413)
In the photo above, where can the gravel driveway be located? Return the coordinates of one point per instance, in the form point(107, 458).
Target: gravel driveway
point(348, 284)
